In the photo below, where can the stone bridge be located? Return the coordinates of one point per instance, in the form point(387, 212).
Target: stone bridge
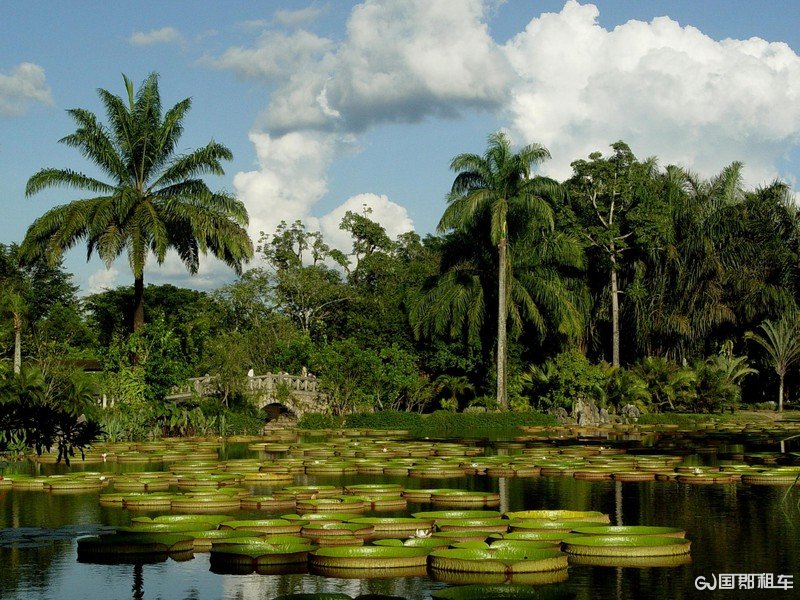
point(275, 393)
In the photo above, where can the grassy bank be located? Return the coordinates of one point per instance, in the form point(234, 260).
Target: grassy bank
point(743, 417)
point(440, 424)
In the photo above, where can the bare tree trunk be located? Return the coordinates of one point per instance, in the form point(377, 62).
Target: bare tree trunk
point(502, 396)
point(780, 395)
point(17, 343)
point(138, 303)
point(614, 312)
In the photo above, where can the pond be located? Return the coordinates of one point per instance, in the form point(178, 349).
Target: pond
point(734, 527)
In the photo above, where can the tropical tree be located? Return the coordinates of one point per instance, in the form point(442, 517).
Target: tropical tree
point(451, 387)
point(706, 269)
point(153, 200)
point(497, 185)
point(781, 340)
point(13, 304)
point(604, 191)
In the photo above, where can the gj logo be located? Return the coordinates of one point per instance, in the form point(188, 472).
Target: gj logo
point(744, 581)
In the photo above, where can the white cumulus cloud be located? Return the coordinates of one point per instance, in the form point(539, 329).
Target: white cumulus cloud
point(401, 61)
point(165, 35)
point(102, 280)
point(392, 216)
point(295, 18)
point(23, 85)
point(667, 90)
point(211, 274)
point(564, 81)
point(289, 181)
point(275, 55)
point(404, 60)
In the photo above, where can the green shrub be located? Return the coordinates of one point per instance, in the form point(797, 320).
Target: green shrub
point(624, 386)
point(384, 419)
point(770, 405)
point(711, 385)
point(442, 423)
point(672, 418)
point(320, 421)
point(563, 379)
point(241, 423)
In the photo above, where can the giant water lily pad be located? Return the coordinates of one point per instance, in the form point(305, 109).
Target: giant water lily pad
point(211, 520)
point(497, 560)
point(630, 530)
point(332, 529)
point(544, 525)
point(560, 515)
point(429, 542)
point(634, 562)
point(457, 514)
point(273, 526)
point(626, 546)
point(491, 525)
point(369, 557)
point(204, 539)
point(401, 527)
point(263, 553)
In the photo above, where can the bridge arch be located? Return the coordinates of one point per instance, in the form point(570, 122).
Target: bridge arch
point(297, 394)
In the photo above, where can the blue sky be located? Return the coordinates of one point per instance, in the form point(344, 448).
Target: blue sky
point(331, 105)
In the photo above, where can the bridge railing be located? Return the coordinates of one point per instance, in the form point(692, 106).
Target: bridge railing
point(267, 384)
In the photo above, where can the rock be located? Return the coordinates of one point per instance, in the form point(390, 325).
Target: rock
point(630, 413)
point(587, 414)
point(561, 414)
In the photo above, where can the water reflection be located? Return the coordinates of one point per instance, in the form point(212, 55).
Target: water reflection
point(735, 528)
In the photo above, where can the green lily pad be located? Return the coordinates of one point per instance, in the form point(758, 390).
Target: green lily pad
point(630, 530)
point(626, 546)
point(498, 560)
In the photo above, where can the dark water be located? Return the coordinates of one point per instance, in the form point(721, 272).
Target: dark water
point(735, 528)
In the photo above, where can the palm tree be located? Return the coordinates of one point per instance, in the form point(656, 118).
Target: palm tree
point(454, 386)
point(13, 304)
point(687, 285)
point(154, 199)
point(605, 191)
point(781, 340)
point(496, 185)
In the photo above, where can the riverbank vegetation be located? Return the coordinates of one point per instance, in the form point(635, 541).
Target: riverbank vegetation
point(629, 283)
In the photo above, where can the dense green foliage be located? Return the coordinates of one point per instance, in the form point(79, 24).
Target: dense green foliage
point(626, 284)
point(45, 407)
point(439, 424)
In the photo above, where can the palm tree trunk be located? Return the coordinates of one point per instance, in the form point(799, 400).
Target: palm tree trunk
point(502, 397)
point(780, 395)
point(17, 343)
point(614, 314)
point(138, 303)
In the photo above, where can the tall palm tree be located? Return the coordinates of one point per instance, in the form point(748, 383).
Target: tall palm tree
point(496, 185)
point(684, 298)
point(13, 304)
point(781, 340)
point(153, 200)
